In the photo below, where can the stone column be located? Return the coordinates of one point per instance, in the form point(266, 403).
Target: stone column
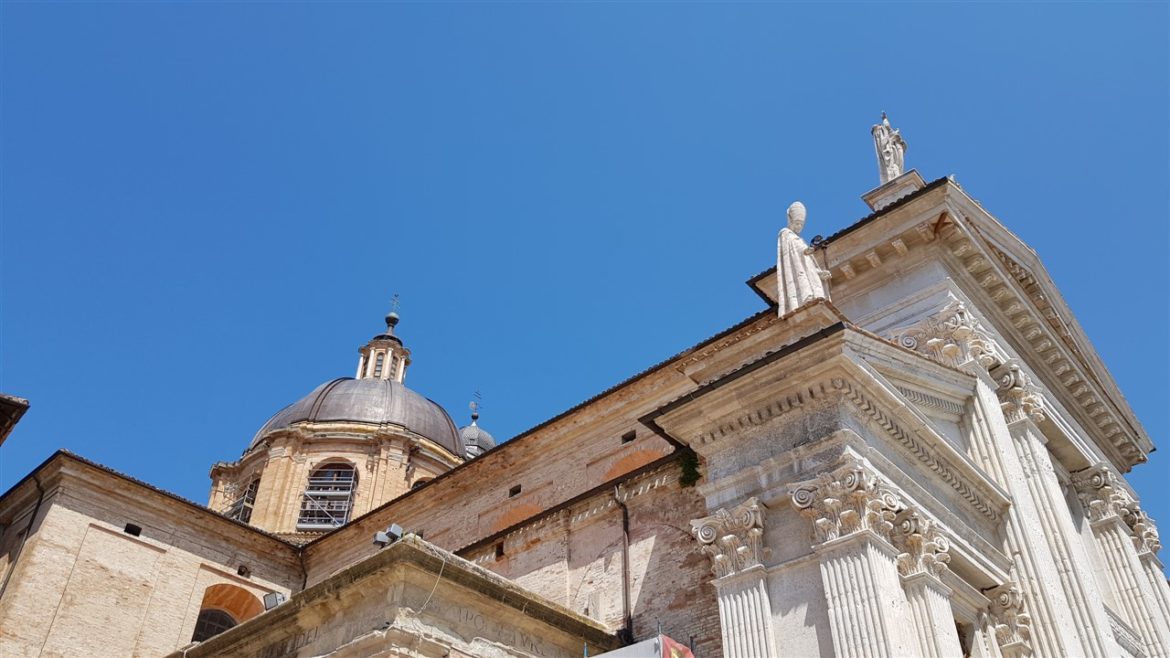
point(1148, 544)
point(852, 513)
point(1112, 511)
point(734, 539)
point(1022, 404)
point(923, 562)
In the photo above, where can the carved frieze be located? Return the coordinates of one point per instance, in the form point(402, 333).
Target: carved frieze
point(952, 337)
point(849, 499)
point(926, 549)
point(1013, 627)
point(733, 538)
point(930, 457)
point(1019, 396)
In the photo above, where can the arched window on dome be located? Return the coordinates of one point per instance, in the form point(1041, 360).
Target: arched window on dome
point(378, 364)
point(241, 510)
point(328, 499)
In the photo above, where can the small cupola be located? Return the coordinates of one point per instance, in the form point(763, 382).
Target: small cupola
point(384, 357)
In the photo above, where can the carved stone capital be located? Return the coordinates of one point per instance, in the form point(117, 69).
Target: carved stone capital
point(1013, 627)
point(953, 337)
point(925, 548)
point(1145, 534)
point(733, 538)
point(848, 499)
point(1019, 396)
point(1103, 497)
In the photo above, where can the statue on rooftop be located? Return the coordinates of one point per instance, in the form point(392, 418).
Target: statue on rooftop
point(891, 150)
point(798, 278)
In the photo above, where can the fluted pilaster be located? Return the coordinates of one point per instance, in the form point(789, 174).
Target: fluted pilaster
point(1113, 513)
point(922, 562)
point(852, 511)
point(733, 538)
point(1022, 403)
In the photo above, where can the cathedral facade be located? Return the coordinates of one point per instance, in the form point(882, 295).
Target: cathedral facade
point(912, 449)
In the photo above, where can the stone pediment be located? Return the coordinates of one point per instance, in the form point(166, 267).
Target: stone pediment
point(1017, 294)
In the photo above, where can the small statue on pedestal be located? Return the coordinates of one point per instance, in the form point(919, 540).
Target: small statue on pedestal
point(798, 277)
point(891, 150)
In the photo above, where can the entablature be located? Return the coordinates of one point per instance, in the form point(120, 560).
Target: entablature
point(803, 389)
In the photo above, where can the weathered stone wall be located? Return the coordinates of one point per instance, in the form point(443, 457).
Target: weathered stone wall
point(84, 587)
point(574, 557)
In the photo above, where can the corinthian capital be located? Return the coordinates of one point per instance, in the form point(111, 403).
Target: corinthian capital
point(1019, 396)
point(1103, 496)
point(1013, 627)
point(733, 538)
point(926, 549)
point(1145, 534)
point(953, 337)
point(846, 500)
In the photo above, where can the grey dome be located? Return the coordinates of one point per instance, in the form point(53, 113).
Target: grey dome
point(373, 401)
point(476, 440)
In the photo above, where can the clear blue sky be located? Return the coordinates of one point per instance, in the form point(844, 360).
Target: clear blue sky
point(207, 207)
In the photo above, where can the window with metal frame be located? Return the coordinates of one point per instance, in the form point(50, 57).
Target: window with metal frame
point(378, 364)
point(328, 499)
point(241, 510)
point(211, 622)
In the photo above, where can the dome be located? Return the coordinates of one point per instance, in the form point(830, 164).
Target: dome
point(373, 401)
point(476, 440)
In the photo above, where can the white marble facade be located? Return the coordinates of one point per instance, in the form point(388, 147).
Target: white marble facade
point(932, 463)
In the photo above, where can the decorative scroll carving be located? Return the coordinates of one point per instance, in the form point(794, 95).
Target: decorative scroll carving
point(1019, 396)
point(733, 538)
point(952, 337)
point(1103, 496)
point(1013, 627)
point(1145, 534)
point(848, 499)
point(926, 549)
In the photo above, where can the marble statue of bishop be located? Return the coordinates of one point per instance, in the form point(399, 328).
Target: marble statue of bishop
point(798, 278)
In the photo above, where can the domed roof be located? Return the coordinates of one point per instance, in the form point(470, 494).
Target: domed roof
point(476, 439)
point(373, 401)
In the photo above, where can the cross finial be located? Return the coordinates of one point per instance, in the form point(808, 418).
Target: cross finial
point(392, 316)
point(475, 405)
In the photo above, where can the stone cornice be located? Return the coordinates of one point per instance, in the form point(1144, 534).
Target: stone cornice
point(961, 477)
point(1043, 330)
point(833, 377)
point(732, 538)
